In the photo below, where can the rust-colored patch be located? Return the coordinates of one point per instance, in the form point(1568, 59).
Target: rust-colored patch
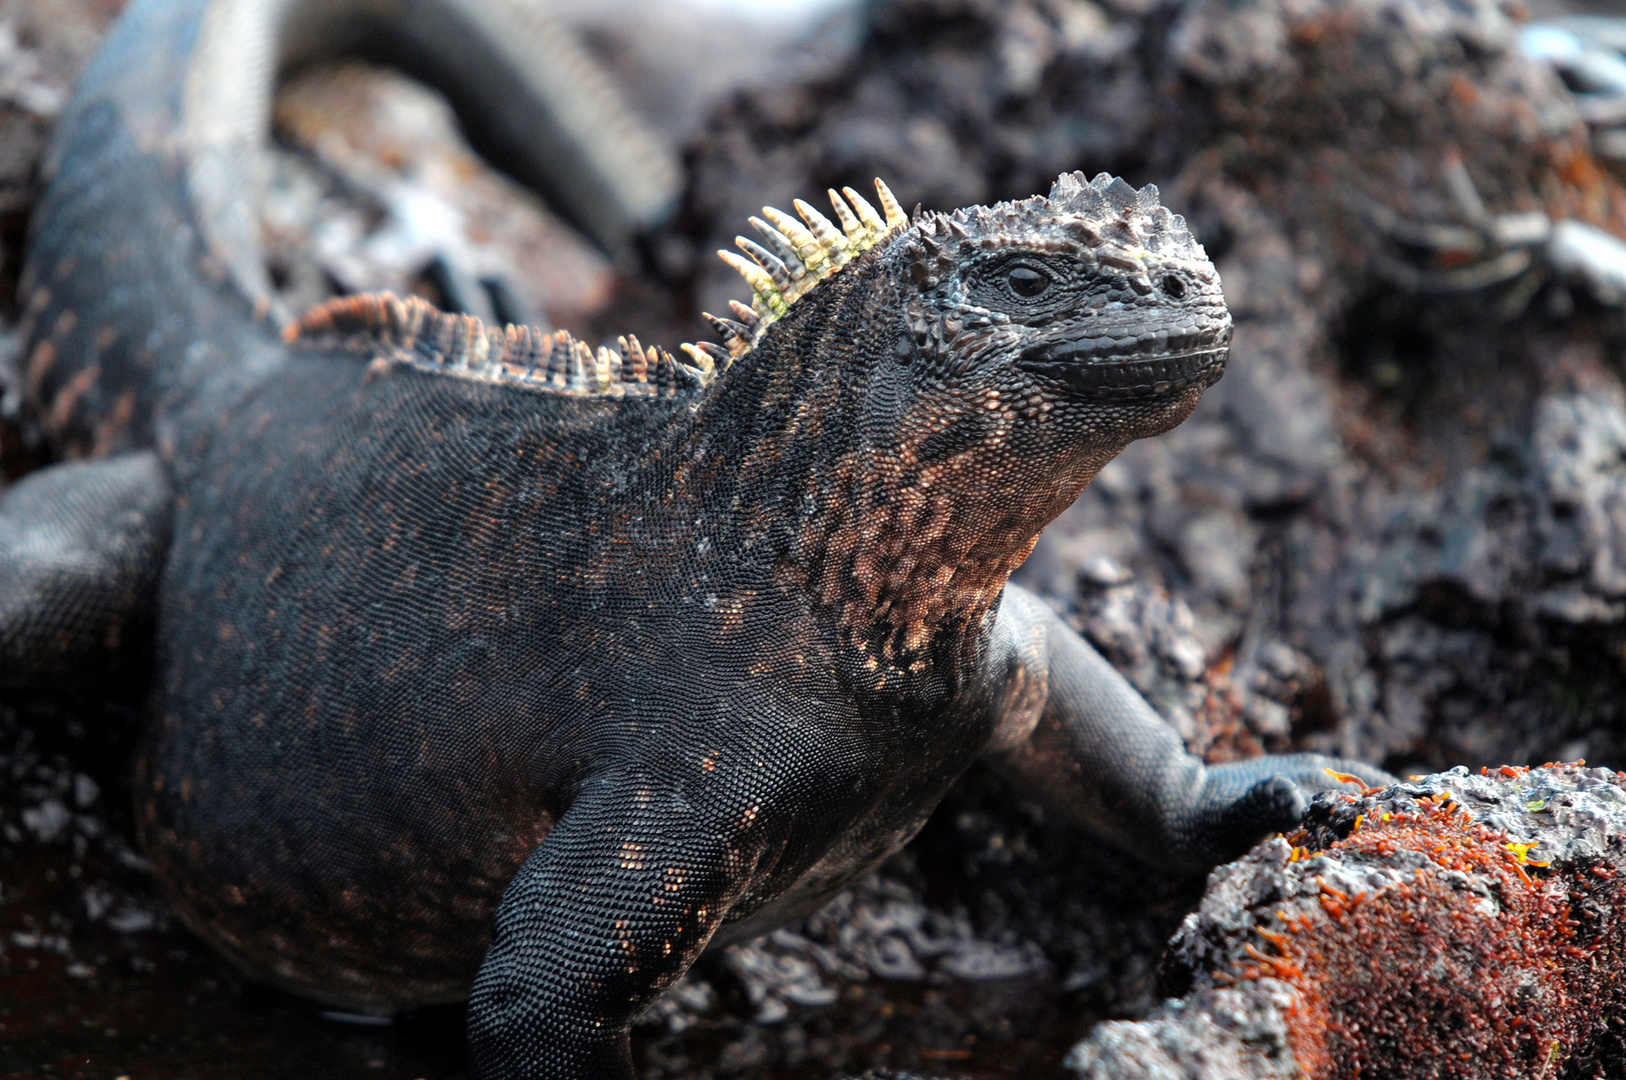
point(67, 399)
point(909, 551)
point(39, 364)
point(112, 427)
point(1463, 91)
point(1430, 974)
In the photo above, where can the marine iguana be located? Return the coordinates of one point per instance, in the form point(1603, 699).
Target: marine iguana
point(492, 666)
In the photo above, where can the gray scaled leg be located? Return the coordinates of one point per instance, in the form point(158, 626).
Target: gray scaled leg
point(81, 546)
point(1101, 756)
point(609, 911)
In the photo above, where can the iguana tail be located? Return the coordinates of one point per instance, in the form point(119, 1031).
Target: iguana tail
point(147, 299)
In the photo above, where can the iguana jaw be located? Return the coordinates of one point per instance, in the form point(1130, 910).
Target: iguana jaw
point(1084, 370)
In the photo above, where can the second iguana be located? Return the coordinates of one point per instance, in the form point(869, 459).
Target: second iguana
point(492, 666)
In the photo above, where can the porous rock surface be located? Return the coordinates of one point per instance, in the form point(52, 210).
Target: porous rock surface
point(1458, 925)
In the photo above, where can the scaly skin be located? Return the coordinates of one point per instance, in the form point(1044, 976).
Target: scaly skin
point(487, 666)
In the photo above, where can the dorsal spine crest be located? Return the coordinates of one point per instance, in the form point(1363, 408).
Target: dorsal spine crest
point(412, 332)
point(1114, 221)
point(795, 256)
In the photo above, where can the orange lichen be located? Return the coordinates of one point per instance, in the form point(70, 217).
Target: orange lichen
point(1471, 966)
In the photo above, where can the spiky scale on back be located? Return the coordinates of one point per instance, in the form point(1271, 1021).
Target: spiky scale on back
point(415, 333)
point(803, 254)
point(460, 345)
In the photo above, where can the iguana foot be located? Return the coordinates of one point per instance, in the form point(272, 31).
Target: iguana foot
point(1243, 801)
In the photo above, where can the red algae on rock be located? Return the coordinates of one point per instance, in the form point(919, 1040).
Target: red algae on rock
point(1459, 926)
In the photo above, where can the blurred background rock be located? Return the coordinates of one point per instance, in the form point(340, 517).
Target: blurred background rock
point(1396, 530)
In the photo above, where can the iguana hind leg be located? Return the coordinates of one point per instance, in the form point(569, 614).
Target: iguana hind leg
point(81, 546)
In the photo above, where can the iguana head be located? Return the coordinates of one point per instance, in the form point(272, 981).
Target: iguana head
point(987, 362)
point(1092, 310)
point(1091, 313)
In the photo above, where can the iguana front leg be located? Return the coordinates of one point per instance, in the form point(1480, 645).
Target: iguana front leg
point(608, 912)
point(1100, 755)
point(81, 547)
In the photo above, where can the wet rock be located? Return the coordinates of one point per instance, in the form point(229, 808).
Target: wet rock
point(43, 45)
point(47, 821)
point(1226, 1033)
point(1579, 441)
point(879, 929)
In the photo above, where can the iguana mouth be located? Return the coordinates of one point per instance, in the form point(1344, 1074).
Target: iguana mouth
point(1091, 368)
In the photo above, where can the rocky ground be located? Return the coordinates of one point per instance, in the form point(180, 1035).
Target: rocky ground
point(1396, 530)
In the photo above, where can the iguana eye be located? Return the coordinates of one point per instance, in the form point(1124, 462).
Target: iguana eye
point(1173, 287)
point(1026, 281)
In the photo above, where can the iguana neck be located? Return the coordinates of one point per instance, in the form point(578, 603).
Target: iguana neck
point(902, 549)
point(909, 556)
